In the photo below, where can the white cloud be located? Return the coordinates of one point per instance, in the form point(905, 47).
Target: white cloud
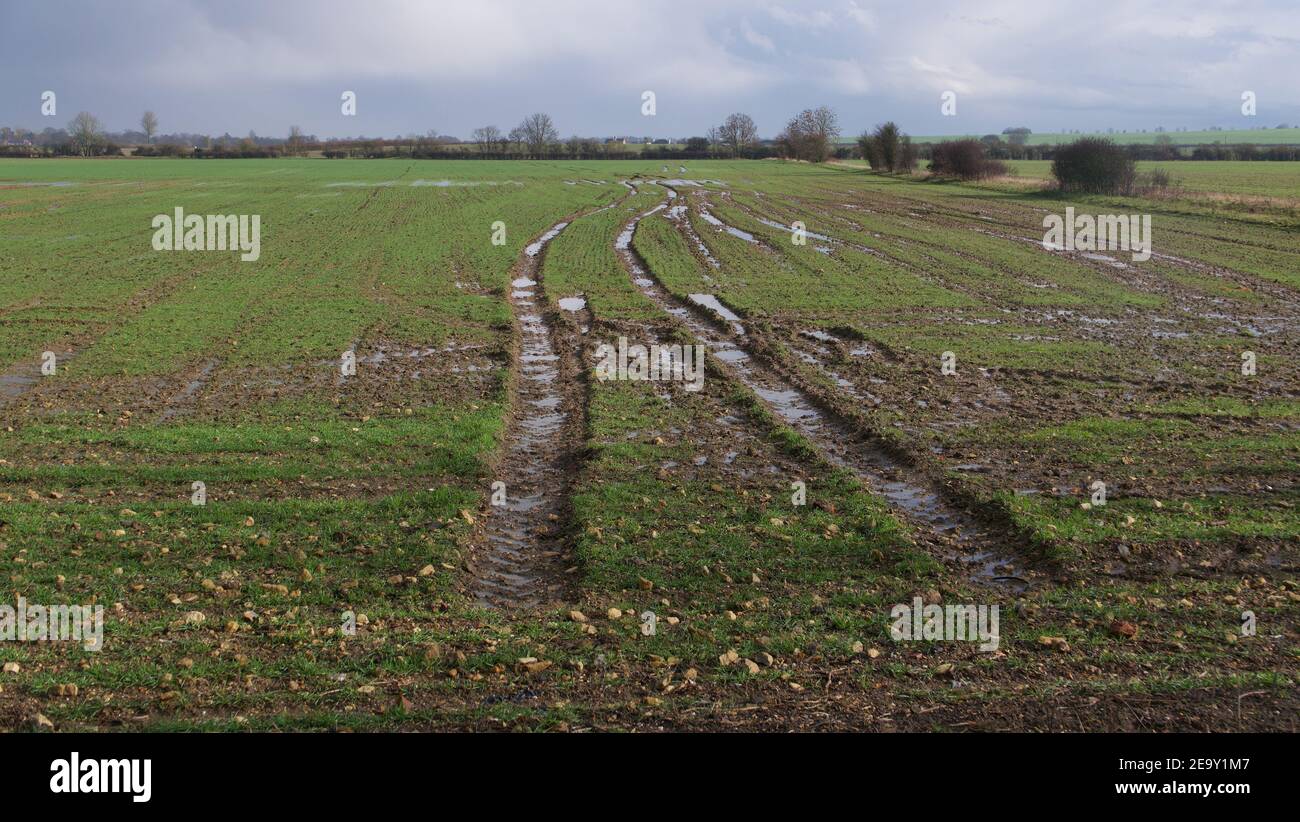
point(755, 38)
point(846, 76)
point(815, 19)
point(863, 17)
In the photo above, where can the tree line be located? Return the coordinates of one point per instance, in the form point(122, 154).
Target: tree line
point(809, 136)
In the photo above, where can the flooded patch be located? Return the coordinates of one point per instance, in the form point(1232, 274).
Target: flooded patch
point(678, 215)
point(818, 334)
point(535, 248)
point(463, 183)
point(182, 401)
point(521, 560)
point(732, 230)
point(24, 376)
point(715, 305)
point(697, 183)
point(774, 224)
point(884, 475)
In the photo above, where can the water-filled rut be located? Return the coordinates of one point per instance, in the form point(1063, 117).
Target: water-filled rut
point(519, 561)
point(918, 501)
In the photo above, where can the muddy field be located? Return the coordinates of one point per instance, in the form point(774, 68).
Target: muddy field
point(379, 478)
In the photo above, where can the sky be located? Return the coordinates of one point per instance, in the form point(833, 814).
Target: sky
point(216, 66)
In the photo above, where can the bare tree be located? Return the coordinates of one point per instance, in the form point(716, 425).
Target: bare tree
point(295, 139)
point(149, 124)
point(488, 138)
point(809, 133)
point(86, 132)
point(825, 122)
point(737, 132)
point(537, 132)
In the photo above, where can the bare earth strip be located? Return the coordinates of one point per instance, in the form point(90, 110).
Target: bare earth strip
point(520, 560)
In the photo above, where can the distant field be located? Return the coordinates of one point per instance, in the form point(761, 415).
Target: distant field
point(366, 495)
point(1264, 136)
point(1270, 179)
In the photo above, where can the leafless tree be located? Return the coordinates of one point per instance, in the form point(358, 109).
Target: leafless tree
point(149, 124)
point(295, 139)
point(737, 132)
point(488, 138)
point(537, 131)
point(86, 132)
point(809, 134)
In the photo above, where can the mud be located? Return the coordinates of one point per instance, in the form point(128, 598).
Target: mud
point(1184, 350)
point(521, 557)
point(965, 539)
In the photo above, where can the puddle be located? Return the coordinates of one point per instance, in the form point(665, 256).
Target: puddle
point(1104, 258)
point(573, 303)
point(680, 218)
point(624, 241)
point(463, 183)
point(715, 305)
point(683, 182)
point(179, 404)
point(520, 562)
point(879, 470)
point(535, 248)
point(24, 376)
point(732, 230)
point(818, 334)
point(774, 224)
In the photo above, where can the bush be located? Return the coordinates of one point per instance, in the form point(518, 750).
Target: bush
point(965, 160)
point(1155, 181)
point(888, 149)
point(1093, 165)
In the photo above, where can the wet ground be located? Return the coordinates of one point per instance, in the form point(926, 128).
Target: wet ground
point(522, 558)
point(916, 501)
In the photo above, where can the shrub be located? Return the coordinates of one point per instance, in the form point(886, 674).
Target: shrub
point(965, 160)
point(888, 149)
point(1093, 165)
point(1155, 181)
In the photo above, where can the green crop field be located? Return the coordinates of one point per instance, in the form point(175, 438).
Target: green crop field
point(1205, 177)
point(1231, 136)
point(277, 476)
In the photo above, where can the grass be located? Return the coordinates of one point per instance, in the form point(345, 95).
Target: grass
point(329, 495)
point(1267, 179)
point(1258, 136)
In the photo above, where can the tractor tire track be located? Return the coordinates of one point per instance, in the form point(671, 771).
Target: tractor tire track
point(954, 531)
point(521, 556)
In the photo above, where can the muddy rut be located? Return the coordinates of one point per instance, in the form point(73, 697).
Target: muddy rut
point(520, 558)
point(956, 533)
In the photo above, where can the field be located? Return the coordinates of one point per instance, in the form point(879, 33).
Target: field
point(1205, 177)
point(1257, 136)
point(351, 568)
